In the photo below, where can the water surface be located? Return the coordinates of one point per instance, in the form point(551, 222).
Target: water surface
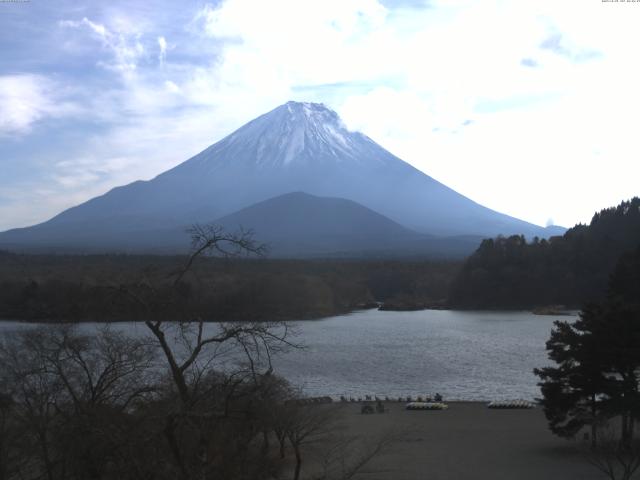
point(464, 355)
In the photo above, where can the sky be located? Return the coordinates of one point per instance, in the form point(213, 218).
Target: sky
point(528, 107)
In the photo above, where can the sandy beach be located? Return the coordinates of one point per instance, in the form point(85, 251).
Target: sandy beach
point(467, 441)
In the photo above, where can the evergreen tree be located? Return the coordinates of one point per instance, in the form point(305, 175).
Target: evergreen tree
point(597, 376)
point(569, 270)
point(572, 391)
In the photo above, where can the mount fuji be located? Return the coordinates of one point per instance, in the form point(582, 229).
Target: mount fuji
point(297, 147)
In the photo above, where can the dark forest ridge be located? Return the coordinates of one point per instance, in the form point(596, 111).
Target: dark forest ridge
point(568, 270)
point(297, 147)
point(504, 273)
point(81, 287)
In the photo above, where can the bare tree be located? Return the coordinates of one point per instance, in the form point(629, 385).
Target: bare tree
point(306, 424)
point(210, 393)
point(258, 340)
point(34, 392)
point(347, 456)
point(70, 395)
point(617, 459)
point(189, 400)
point(9, 437)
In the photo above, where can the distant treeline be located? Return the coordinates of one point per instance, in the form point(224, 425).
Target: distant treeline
point(568, 270)
point(109, 287)
point(503, 273)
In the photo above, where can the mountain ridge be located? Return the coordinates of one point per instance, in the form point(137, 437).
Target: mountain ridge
point(297, 224)
point(292, 225)
point(294, 147)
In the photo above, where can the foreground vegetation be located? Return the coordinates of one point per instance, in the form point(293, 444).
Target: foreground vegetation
point(109, 406)
point(185, 401)
point(596, 380)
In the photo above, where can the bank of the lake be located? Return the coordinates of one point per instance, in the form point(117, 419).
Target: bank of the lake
point(465, 442)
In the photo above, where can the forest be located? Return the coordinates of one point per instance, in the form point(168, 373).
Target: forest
point(593, 386)
point(565, 271)
point(89, 288)
point(503, 273)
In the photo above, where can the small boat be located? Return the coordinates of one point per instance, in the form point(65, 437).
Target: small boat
point(426, 406)
point(511, 404)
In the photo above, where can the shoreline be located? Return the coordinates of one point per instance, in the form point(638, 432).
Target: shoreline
point(464, 442)
point(563, 313)
point(394, 401)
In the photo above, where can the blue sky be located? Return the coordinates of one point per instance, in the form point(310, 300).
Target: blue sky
point(527, 107)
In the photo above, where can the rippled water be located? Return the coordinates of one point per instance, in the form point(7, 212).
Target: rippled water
point(462, 355)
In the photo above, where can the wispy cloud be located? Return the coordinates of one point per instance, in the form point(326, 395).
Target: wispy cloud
point(27, 98)
point(162, 44)
point(136, 88)
point(125, 46)
point(558, 44)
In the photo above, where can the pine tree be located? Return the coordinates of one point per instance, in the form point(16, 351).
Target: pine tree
point(597, 376)
point(572, 391)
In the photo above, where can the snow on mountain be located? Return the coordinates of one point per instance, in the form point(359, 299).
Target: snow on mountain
point(297, 147)
point(307, 134)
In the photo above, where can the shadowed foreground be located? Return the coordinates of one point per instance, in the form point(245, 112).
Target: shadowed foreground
point(467, 441)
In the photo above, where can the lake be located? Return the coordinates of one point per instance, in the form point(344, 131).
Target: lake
point(463, 355)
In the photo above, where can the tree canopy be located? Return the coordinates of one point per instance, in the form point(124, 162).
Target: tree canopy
point(597, 372)
point(569, 270)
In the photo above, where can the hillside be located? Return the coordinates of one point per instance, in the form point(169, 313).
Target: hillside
point(297, 147)
point(302, 225)
point(510, 272)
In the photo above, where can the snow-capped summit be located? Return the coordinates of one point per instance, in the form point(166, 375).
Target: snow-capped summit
point(294, 133)
point(296, 147)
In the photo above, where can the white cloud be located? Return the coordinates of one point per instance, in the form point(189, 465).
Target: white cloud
point(123, 43)
point(162, 44)
point(75, 180)
point(26, 99)
point(526, 107)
